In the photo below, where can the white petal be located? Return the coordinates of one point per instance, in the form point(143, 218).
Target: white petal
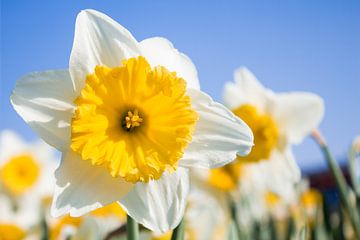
point(98, 40)
point(246, 90)
point(207, 208)
point(219, 135)
point(281, 173)
point(297, 114)
point(45, 101)
point(285, 162)
point(160, 51)
point(81, 187)
point(159, 205)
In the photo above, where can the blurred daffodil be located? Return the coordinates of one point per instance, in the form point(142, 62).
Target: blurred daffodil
point(130, 119)
point(94, 225)
point(311, 204)
point(278, 120)
point(26, 170)
point(18, 223)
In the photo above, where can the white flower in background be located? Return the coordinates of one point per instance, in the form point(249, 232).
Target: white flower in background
point(205, 210)
point(26, 180)
point(130, 119)
point(239, 183)
point(206, 218)
point(18, 223)
point(94, 225)
point(277, 120)
point(26, 168)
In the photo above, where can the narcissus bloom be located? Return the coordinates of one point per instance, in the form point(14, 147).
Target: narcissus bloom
point(94, 225)
point(277, 120)
point(26, 179)
point(26, 168)
point(15, 225)
point(130, 119)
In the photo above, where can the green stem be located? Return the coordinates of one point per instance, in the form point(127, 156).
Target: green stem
point(178, 233)
point(235, 219)
point(290, 228)
point(273, 230)
point(352, 171)
point(132, 229)
point(340, 182)
point(45, 230)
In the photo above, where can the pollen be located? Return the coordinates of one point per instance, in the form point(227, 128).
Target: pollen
point(131, 120)
point(134, 119)
point(20, 173)
point(265, 130)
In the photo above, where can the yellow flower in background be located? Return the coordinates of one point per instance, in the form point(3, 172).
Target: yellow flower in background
point(278, 120)
point(226, 178)
point(17, 219)
point(65, 227)
point(276, 207)
point(26, 168)
point(130, 120)
point(308, 207)
point(20, 173)
point(11, 232)
point(311, 203)
point(311, 198)
point(94, 225)
point(26, 179)
point(271, 199)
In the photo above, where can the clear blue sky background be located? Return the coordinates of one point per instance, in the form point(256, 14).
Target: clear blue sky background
point(290, 45)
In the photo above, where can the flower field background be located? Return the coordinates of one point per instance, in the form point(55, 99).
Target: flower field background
point(187, 120)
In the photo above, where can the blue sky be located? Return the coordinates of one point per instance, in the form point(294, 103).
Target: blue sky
point(289, 45)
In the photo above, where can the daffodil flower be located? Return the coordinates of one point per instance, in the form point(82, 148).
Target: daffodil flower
point(130, 119)
point(94, 225)
point(26, 168)
point(278, 120)
point(16, 224)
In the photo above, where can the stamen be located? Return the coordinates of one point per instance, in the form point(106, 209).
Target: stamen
point(132, 120)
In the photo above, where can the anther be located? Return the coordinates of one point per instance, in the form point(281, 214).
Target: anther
point(131, 120)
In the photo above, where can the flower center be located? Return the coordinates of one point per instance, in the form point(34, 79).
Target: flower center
point(266, 134)
point(20, 173)
point(10, 232)
point(134, 119)
point(131, 120)
point(226, 177)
